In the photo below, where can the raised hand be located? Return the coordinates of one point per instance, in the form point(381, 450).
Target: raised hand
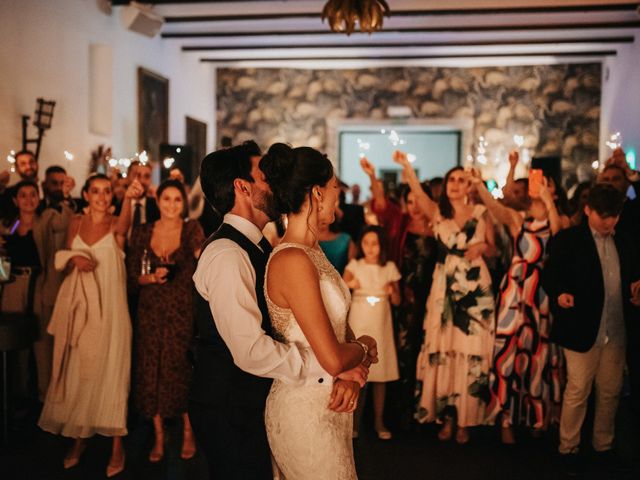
point(4, 178)
point(135, 190)
point(514, 157)
point(367, 167)
point(401, 159)
point(67, 186)
point(544, 193)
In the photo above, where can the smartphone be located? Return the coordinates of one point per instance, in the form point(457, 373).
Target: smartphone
point(535, 182)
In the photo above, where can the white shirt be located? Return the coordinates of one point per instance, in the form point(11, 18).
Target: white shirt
point(226, 279)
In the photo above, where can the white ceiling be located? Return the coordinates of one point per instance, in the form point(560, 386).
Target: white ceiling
point(278, 33)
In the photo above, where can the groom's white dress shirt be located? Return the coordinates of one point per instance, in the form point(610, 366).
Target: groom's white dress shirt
point(226, 279)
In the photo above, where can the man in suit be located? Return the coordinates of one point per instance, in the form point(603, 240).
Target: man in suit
point(144, 209)
point(236, 358)
point(592, 277)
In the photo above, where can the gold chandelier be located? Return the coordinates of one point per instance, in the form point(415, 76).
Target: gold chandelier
point(344, 14)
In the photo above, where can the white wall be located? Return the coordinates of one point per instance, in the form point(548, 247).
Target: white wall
point(621, 98)
point(44, 52)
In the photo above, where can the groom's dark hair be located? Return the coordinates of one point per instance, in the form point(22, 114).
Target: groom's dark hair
point(219, 169)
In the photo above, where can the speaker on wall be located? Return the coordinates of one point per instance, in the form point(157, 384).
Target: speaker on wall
point(140, 18)
point(176, 156)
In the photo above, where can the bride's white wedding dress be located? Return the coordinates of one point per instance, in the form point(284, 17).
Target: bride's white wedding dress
point(308, 441)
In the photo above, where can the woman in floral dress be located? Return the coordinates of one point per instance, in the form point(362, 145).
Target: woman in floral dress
point(455, 359)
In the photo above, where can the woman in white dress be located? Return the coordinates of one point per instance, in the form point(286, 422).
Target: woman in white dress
point(88, 393)
point(308, 304)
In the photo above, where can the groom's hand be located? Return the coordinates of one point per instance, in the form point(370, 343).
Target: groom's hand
point(344, 396)
point(358, 374)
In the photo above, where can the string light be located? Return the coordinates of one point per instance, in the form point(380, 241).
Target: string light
point(11, 158)
point(167, 162)
point(68, 155)
point(615, 141)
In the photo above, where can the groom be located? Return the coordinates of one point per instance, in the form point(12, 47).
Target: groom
point(236, 356)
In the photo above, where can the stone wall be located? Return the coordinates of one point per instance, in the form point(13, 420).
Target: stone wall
point(555, 107)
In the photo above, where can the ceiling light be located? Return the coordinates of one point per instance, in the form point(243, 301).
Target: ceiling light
point(343, 15)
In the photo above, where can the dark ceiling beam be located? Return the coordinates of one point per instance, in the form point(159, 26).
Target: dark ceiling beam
point(470, 43)
point(595, 53)
point(459, 28)
point(614, 7)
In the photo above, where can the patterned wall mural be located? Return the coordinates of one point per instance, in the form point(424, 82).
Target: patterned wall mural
point(555, 107)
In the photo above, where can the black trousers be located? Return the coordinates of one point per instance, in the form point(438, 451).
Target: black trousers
point(233, 440)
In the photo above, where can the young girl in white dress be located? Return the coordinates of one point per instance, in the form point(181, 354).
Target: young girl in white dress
point(374, 282)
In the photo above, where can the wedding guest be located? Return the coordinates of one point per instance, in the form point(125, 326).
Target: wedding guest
point(527, 367)
point(165, 318)
point(436, 184)
point(413, 248)
point(26, 166)
point(455, 360)
point(336, 245)
point(578, 201)
point(144, 208)
point(374, 282)
point(592, 277)
point(31, 240)
point(618, 174)
point(56, 189)
point(89, 384)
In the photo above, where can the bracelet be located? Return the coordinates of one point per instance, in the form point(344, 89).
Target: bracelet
point(365, 349)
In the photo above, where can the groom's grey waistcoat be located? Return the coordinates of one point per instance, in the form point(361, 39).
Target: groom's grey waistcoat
point(217, 381)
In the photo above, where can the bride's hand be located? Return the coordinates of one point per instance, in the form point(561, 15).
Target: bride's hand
point(372, 354)
point(359, 374)
point(344, 396)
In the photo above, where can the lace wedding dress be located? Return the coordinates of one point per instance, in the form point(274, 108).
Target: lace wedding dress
point(308, 441)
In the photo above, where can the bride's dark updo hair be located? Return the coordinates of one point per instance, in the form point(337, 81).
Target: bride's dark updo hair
point(292, 173)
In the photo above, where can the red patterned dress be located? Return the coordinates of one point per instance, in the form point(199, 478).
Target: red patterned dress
point(526, 373)
point(164, 328)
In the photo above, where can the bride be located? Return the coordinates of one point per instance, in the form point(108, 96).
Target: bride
point(308, 304)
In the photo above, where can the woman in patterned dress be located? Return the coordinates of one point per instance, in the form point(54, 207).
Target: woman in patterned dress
point(165, 320)
point(455, 359)
point(526, 371)
point(413, 248)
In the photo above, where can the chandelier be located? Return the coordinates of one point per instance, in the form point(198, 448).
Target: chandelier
point(344, 14)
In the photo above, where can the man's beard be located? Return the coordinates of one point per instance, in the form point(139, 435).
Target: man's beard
point(265, 202)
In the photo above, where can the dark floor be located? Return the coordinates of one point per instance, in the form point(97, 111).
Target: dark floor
point(33, 454)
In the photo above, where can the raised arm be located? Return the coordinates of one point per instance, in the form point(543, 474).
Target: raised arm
point(121, 226)
point(511, 176)
point(504, 215)
point(556, 221)
point(428, 206)
point(293, 283)
point(377, 191)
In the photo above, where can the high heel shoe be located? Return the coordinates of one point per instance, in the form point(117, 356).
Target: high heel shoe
point(115, 469)
point(73, 460)
point(155, 456)
point(188, 445)
point(462, 436)
point(446, 431)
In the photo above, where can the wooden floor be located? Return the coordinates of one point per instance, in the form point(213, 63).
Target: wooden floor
point(33, 454)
